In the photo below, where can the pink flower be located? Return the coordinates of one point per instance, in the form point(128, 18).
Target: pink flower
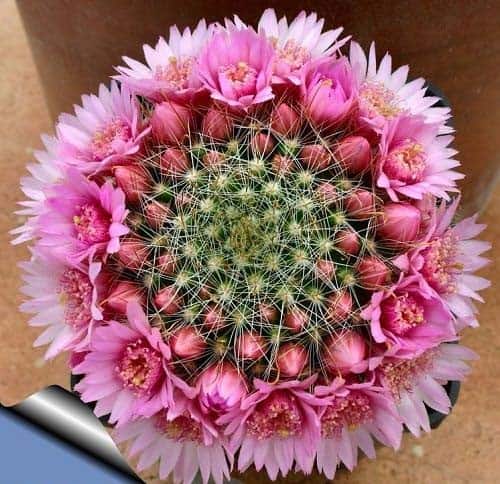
point(417, 382)
point(236, 66)
point(351, 415)
point(221, 388)
point(345, 352)
point(446, 260)
point(125, 371)
point(182, 439)
point(384, 95)
point(106, 130)
point(414, 161)
point(275, 426)
point(65, 299)
point(328, 91)
point(408, 319)
point(43, 174)
point(171, 70)
point(399, 222)
point(81, 218)
point(298, 43)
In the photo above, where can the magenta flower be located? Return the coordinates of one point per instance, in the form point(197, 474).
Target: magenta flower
point(43, 175)
point(408, 319)
point(328, 91)
point(125, 371)
point(446, 260)
point(351, 415)
point(414, 161)
point(106, 130)
point(183, 442)
point(170, 71)
point(417, 382)
point(81, 218)
point(65, 299)
point(275, 426)
point(384, 94)
point(298, 43)
point(236, 66)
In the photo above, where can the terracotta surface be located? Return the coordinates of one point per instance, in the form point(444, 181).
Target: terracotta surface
point(463, 450)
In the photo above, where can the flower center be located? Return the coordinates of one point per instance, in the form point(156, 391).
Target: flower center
point(440, 266)
point(182, 428)
point(293, 54)
point(400, 375)
point(107, 140)
point(351, 411)
point(92, 224)
point(407, 162)
point(277, 416)
point(176, 73)
point(241, 77)
point(75, 292)
point(402, 313)
point(140, 367)
point(377, 100)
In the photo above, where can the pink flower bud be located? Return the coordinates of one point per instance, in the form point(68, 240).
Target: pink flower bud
point(222, 387)
point(187, 343)
point(123, 293)
point(268, 312)
point(315, 157)
point(327, 192)
point(213, 318)
point(360, 204)
point(133, 252)
point(262, 144)
point(296, 320)
point(399, 222)
point(325, 269)
point(213, 158)
point(339, 306)
point(174, 162)
point(250, 346)
point(170, 122)
point(344, 351)
point(285, 121)
point(282, 164)
point(291, 359)
point(157, 213)
point(182, 199)
point(134, 180)
point(166, 263)
point(354, 154)
point(348, 241)
point(217, 125)
point(167, 300)
point(372, 273)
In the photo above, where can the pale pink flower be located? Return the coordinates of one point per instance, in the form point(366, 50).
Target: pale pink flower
point(417, 383)
point(64, 299)
point(414, 161)
point(351, 415)
point(408, 319)
point(384, 94)
point(170, 71)
point(447, 258)
point(43, 174)
point(106, 130)
point(81, 218)
point(328, 91)
point(298, 42)
point(236, 66)
point(275, 427)
point(182, 440)
point(125, 370)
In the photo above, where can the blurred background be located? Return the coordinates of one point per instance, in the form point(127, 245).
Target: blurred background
point(51, 51)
